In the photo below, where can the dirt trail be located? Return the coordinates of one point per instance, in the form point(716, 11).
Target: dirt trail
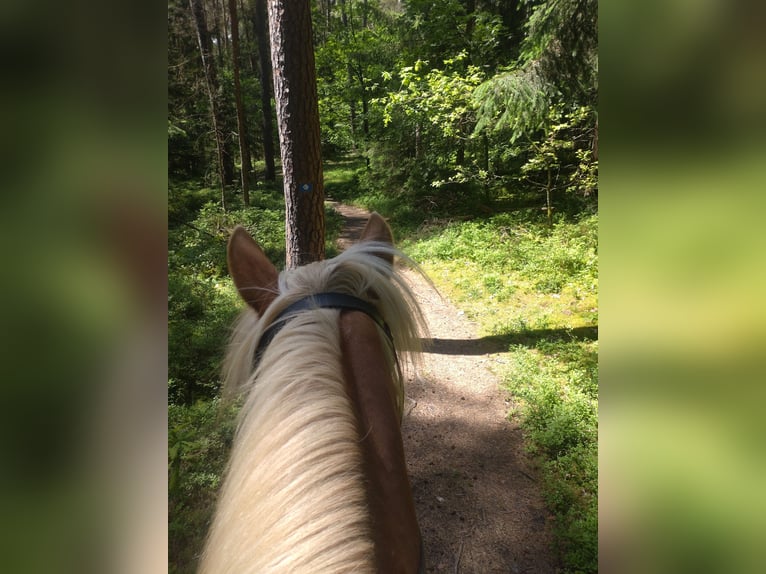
point(476, 492)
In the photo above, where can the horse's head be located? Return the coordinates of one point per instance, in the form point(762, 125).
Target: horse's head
point(317, 479)
point(256, 278)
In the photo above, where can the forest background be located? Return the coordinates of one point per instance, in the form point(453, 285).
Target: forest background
point(472, 125)
point(681, 179)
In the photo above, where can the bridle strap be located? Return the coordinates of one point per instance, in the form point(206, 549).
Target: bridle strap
point(320, 301)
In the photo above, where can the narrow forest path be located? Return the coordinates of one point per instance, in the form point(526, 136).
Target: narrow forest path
point(476, 492)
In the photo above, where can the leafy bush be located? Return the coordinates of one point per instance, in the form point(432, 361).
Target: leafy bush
point(200, 312)
point(556, 388)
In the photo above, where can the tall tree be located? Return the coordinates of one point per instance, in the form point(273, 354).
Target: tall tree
point(295, 93)
point(244, 147)
point(264, 59)
point(187, 99)
point(212, 85)
point(558, 61)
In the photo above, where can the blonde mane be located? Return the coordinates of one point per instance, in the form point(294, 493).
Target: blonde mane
point(293, 498)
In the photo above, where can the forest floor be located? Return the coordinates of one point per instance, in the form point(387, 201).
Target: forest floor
point(477, 493)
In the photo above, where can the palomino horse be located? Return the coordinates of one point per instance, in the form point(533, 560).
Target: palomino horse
point(317, 479)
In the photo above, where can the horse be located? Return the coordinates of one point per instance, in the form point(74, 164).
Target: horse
point(316, 481)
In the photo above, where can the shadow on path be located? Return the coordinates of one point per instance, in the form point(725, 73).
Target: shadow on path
point(476, 496)
point(501, 343)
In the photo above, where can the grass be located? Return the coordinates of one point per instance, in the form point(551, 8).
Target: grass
point(535, 289)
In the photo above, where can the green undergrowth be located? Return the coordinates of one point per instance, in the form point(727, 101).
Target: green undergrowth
point(199, 440)
point(555, 387)
point(514, 276)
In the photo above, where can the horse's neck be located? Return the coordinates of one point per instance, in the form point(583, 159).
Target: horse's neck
point(369, 384)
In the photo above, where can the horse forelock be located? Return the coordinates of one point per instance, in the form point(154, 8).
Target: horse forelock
point(294, 496)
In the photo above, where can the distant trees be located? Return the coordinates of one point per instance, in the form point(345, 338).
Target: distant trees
point(244, 145)
point(212, 97)
point(212, 84)
point(445, 98)
point(261, 22)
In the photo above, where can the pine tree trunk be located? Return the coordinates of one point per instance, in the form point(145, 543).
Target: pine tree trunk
point(295, 94)
point(264, 56)
point(211, 84)
point(244, 148)
point(220, 22)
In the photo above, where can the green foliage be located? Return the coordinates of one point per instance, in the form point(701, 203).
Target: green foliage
point(554, 163)
point(432, 29)
point(548, 260)
point(359, 42)
point(514, 99)
point(562, 37)
point(558, 63)
point(555, 384)
point(202, 302)
point(435, 96)
point(200, 313)
point(433, 108)
point(199, 440)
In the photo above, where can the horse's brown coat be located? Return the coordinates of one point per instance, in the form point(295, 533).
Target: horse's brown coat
point(372, 392)
point(369, 385)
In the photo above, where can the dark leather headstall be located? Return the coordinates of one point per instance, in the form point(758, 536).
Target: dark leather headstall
point(320, 301)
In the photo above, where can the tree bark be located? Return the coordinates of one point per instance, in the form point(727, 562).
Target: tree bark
point(295, 94)
point(244, 148)
point(211, 84)
point(264, 58)
point(594, 145)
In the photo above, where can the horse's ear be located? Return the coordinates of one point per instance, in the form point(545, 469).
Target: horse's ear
point(378, 230)
point(254, 275)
